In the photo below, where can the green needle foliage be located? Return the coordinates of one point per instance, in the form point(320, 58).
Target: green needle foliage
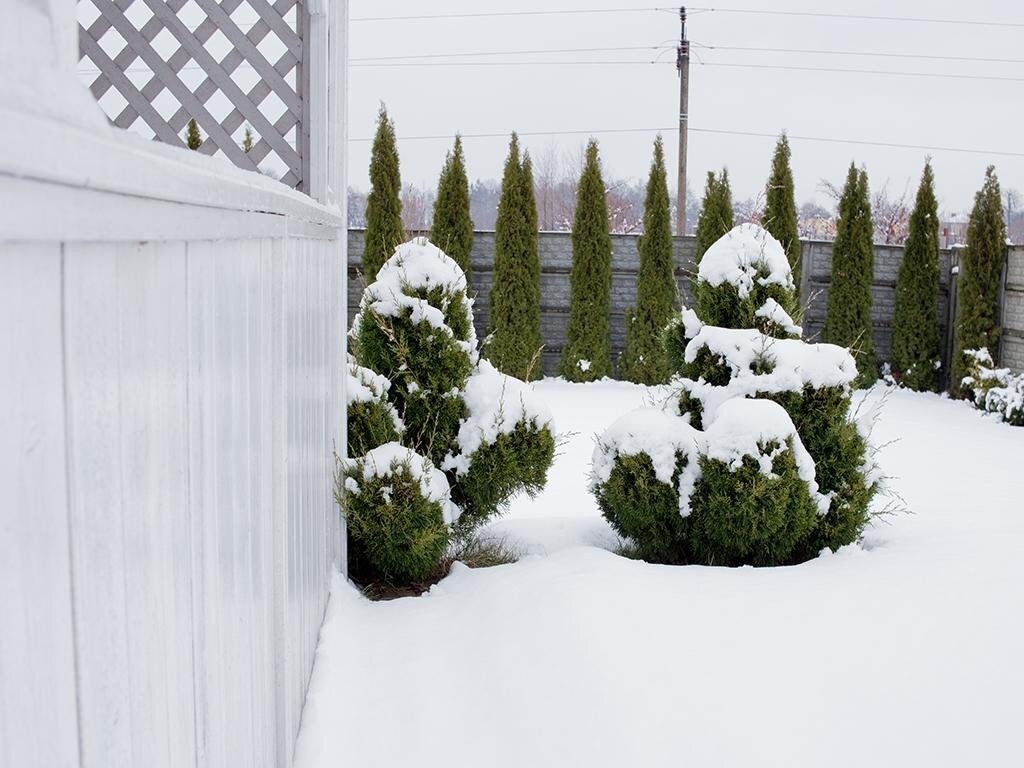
point(644, 360)
point(780, 208)
point(848, 321)
point(516, 341)
point(915, 332)
point(384, 229)
point(587, 355)
point(452, 229)
point(247, 140)
point(981, 268)
point(716, 216)
point(193, 139)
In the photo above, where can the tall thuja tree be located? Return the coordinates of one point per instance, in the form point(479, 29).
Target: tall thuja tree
point(780, 208)
point(977, 316)
point(452, 228)
point(587, 354)
point(384, 230)
point(515, 339)
point(915, 324)
point(716, 214)
point(644, 360)
point(848, 322)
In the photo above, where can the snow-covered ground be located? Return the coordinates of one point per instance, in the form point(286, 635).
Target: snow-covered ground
point(904, 651)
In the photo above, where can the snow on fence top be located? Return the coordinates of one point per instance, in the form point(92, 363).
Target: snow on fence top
point(741, 255)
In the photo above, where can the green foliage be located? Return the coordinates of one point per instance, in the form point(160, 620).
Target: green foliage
point(193, 139)
point(396, 535)
point(742, 516)
point(915, 324)
point(515, 295)
point(515, 462)
point(723, 307)
point(587, 353)
point(645, 510)
point(780, 208)
point(644, 360)
point(977, 317)
point(848, 321)
point(995, 390)
point(372, 420)
point(247, 140)
point(716, 215)
point(384, 229)
point(452, 228)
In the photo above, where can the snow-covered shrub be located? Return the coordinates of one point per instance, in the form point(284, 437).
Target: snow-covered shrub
point(414, 342)
point(721, 366)
point(372, 420)
point(996, 390)
point(398, 510)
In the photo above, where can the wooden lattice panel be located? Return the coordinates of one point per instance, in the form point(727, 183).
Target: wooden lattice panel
point(231, 64)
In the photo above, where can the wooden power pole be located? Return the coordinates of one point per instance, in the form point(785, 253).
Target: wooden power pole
point(683, 66)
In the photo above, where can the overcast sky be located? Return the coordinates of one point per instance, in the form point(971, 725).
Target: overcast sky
point(933, 111)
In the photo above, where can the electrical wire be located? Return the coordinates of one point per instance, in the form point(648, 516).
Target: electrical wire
point(508, 53)
point(861, 71)
point(881, 54)
point(465, 64)
point(494, 14)
point(864, 17)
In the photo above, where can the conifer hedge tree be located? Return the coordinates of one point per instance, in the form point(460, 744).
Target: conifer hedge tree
point(915, 358)
point(384, 228)
point(644, 360)
point(193, 139)
point(439, 440)
point(848, 318)
point(452, 227)
point(981, 268)
point(716, 214)
point(515, 338)
point(780, 208)
point(587, 355)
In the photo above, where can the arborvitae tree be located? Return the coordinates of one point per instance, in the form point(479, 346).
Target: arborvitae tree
point(515, 339)
point(193, 139)
point(452, 229)
point(384, 230)
point(716, 216)
point(981, 267)
point(587, 354)
point(915, 324)
point(780, 208)
point(247, 140)
point(644, 360)
point(848, 322)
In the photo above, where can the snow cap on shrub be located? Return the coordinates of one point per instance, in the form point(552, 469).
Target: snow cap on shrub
point(391, 458)
point(658, 434)
point(746, 256)
point(372, 419)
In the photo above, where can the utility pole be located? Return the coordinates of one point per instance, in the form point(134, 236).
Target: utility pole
point(683, 67)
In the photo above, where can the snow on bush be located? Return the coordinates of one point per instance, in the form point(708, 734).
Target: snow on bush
point(416, 351)
point(727, 372)
point(372, 420)
point(995, 390)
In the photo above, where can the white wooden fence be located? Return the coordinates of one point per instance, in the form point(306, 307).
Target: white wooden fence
point(171, 349)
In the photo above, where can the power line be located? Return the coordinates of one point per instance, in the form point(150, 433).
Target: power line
point(863, 17)
point(882, 54)
point(668, 129)
point(464, 64)
point(494, 14)
point(862, 71)
point(508, 53)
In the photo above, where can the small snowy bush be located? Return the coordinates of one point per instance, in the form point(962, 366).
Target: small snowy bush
point(737, 515)
point(996, 390)
point(398, 510)
point(416, 355)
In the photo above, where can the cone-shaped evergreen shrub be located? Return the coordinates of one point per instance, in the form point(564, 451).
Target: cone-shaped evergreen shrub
point(384, 229)
point(515, 339)
point(764, 482)
point(452, 228)
point(644, 360)
point(486, 432)
point(848, 319)
point(193, 139)
point(915, 357)
point(716, 216)
point(981, 268)
point(780, 208)
point(588, 352)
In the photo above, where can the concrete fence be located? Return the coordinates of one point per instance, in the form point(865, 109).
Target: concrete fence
point(556, 261)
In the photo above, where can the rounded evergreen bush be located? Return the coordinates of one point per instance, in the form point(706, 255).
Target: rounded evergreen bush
point(397, 509)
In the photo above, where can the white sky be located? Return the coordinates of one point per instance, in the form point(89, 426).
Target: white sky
point(429, 100)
